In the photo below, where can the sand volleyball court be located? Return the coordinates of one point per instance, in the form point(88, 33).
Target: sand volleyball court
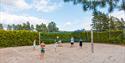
point(104, 53)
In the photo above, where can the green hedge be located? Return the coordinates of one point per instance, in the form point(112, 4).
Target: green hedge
point(23, 37)
point(17, 38)
point(113, 37)
point(51, 37)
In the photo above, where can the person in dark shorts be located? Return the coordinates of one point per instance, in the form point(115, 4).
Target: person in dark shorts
point(42, 50)
point(72, 42)
point(42, 45)
point(80, 43)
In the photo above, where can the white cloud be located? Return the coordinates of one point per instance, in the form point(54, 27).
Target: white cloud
point(22, 4)
point(87, 26)
point(38, 5)
point(46, 5)
point(7, 18)
point(75, 25)
point(66, 26)
point(68, 23)
point(118, 14)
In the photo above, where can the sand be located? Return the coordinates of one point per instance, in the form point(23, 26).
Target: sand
point(103, 53)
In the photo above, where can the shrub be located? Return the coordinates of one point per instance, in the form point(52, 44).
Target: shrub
point(113, 37)
point(24, 38)
point(17, 38)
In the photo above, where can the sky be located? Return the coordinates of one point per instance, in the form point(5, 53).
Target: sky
point(68, 17)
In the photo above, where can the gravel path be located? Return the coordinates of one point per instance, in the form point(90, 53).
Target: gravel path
point(104, 53)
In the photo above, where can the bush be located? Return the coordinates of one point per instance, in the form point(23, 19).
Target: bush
point(51, 37)
point(24, 38)
point(17, 38)
point(65, 36)
point(113, 37)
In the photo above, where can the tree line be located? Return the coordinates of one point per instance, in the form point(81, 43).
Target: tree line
point(100, 22)
point(27, 26)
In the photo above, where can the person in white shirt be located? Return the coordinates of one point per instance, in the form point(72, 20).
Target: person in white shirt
point(60, 43)
point(55, 46)
point(72, 42)
point(34, 44)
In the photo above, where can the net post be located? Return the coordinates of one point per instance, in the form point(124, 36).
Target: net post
point(124, 32)
point(39, 38)
point(92, 43)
